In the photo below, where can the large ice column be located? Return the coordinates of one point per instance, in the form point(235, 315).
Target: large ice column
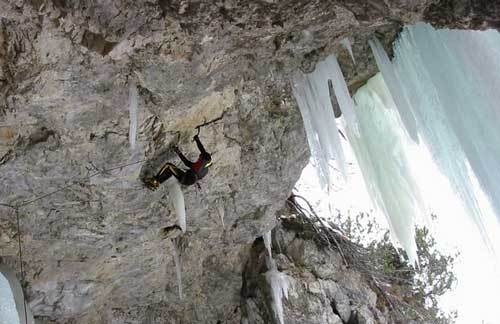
point(313, 98)
point(380, 151)
point(177, 199)
point(394, 81)
point(132, 106)
point(331, 68)
point(451, 80)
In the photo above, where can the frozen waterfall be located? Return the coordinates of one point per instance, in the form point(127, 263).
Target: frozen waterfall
point(395, 82)
point(448, 81)
point(381, 154)
point(439, 92)
point(375, 137)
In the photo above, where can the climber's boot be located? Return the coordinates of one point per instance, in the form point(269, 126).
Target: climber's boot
point(170, 232)
point(151, 183)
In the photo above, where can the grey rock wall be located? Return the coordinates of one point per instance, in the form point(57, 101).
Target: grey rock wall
point(323, 289)
point(91, 248)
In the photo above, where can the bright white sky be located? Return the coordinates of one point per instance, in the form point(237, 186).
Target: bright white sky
point(475, 296)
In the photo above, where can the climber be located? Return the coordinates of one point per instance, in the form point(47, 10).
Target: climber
point(197, 170)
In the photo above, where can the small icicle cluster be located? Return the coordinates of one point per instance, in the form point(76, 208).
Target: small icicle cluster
point(278, 281)
point(313, 97)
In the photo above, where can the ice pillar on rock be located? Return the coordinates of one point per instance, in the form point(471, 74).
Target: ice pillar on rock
point(132, 106)
point(177, 199)
point(278, 281)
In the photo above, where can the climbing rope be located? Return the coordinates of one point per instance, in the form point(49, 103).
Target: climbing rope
point(74, 181)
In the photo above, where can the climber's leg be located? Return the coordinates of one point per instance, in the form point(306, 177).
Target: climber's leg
point(189, 178)
point(167, 171)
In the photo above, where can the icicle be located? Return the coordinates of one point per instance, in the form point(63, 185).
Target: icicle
point(278, 281)
point(177, 198)
point(132, 98)
point(178, 267)
point(334, 73)
point(221, 212)
point(394, 82)
point(347, 45)
point(279, 284)
point(271, 264)
point(313, 98)
point(267, 243)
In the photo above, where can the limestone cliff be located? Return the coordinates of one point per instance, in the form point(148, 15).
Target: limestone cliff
point(91, 248)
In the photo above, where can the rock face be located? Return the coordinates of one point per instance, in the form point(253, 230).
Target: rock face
point(464, 14)
point(323, 290)
point(91, 248)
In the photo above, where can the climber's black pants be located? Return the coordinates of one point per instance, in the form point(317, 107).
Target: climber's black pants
point(186, 178)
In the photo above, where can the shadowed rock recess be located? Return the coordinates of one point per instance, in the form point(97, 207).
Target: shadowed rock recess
point(91, 252)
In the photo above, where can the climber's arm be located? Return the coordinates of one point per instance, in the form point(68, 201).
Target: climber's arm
point(184, 160)
point(200, 146)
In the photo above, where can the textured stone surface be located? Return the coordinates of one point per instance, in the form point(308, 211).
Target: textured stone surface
point(334, 295)
point(464, 14)
point(91, 251)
